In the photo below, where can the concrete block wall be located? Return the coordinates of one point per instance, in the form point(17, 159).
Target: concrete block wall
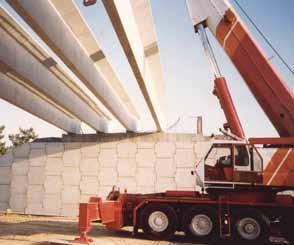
point(53, 178)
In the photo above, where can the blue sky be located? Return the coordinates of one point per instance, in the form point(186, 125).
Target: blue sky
point(188, 77)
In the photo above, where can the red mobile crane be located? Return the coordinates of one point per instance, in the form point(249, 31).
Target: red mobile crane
point(242, 185)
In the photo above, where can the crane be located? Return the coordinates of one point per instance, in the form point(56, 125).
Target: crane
point(269, 89)
point(243, 182)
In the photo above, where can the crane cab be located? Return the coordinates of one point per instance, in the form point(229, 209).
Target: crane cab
point(229, 163)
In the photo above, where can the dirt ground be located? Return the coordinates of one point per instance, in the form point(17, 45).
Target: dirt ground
point(36, 230)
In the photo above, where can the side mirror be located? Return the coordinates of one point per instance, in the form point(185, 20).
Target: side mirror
point(89, 2)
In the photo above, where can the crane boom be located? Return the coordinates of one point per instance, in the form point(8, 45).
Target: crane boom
point(269, 89)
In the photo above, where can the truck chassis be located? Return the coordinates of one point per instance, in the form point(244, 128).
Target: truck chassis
point(244, 213)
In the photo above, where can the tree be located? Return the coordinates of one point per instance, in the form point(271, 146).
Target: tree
point(24, 136)
point(3, 148)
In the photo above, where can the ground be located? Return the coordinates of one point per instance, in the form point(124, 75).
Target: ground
point(37, 230)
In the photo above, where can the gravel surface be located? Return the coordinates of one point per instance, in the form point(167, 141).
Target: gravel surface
point(38, 230)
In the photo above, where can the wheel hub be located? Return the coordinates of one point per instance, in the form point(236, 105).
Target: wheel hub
point(201, 225)
point(249, 228)
point(158, 221)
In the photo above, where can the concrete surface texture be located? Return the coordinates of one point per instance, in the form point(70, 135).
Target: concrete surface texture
point(53, 178)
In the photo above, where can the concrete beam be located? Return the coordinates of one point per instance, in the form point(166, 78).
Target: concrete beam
point(16, 94)
point(21, 57)
point(133, 23)
point(147, 31)
point(49, 25)
point(78, 25)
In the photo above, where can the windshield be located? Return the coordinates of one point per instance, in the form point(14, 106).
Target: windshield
point(241, 155)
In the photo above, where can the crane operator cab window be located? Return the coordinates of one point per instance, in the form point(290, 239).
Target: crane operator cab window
point(219, 164)
point(223, 161)
point(241, 156)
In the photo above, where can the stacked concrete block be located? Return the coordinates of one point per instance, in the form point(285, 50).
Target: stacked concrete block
point(145, 158)
point(22, 151)
point(36, 175)
point(37, 156)
point(186, 160)
point(35, 197)
point(4, 197)
point(145, 174)
point(5, 179)
point(89, 185)
point(127, 166)
point(107, 178)
point(165, 171)
point(53, 167)
point(53, 178)
point(7, 159)
point(128, 184)
point(53, 184)
point(72, 155)
point(165, 168)
point(165, 149)
point(71, 177)
point(36, 179)
point(20, 167)
point(185, 157)
point(54, 150)
point(19, 179)
point(108, 175)
point(89, 170)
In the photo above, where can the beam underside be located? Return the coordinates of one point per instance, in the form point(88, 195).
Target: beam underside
point(48, 24)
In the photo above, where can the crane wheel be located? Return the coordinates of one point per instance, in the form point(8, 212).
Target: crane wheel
point(251, 226)
point(286, 226)
point(159, 220)
point(201, 224)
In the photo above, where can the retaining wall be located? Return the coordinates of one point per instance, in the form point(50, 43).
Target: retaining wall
point(53, 178)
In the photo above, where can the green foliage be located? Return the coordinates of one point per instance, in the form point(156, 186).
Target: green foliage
point(24, 136)
point(3, 148)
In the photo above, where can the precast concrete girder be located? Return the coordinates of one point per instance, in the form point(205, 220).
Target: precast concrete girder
point(78, 25)
point(21, 57)
point(133, 23)
point(15, 93)
point(49, 25)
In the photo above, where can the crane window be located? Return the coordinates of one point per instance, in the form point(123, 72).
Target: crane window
point(241, 155)
point(219, 156)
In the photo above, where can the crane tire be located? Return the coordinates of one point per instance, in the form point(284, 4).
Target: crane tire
point(251, 226)
point(159, 220)
point(201, 224)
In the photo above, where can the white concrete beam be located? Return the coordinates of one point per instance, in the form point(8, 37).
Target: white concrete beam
point(19, 56)
point(147, 31)
point(16, 94)
point(49, 25)
point(133, 23)
point(78, 25)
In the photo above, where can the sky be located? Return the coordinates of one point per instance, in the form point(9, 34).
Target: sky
point(187, 74)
